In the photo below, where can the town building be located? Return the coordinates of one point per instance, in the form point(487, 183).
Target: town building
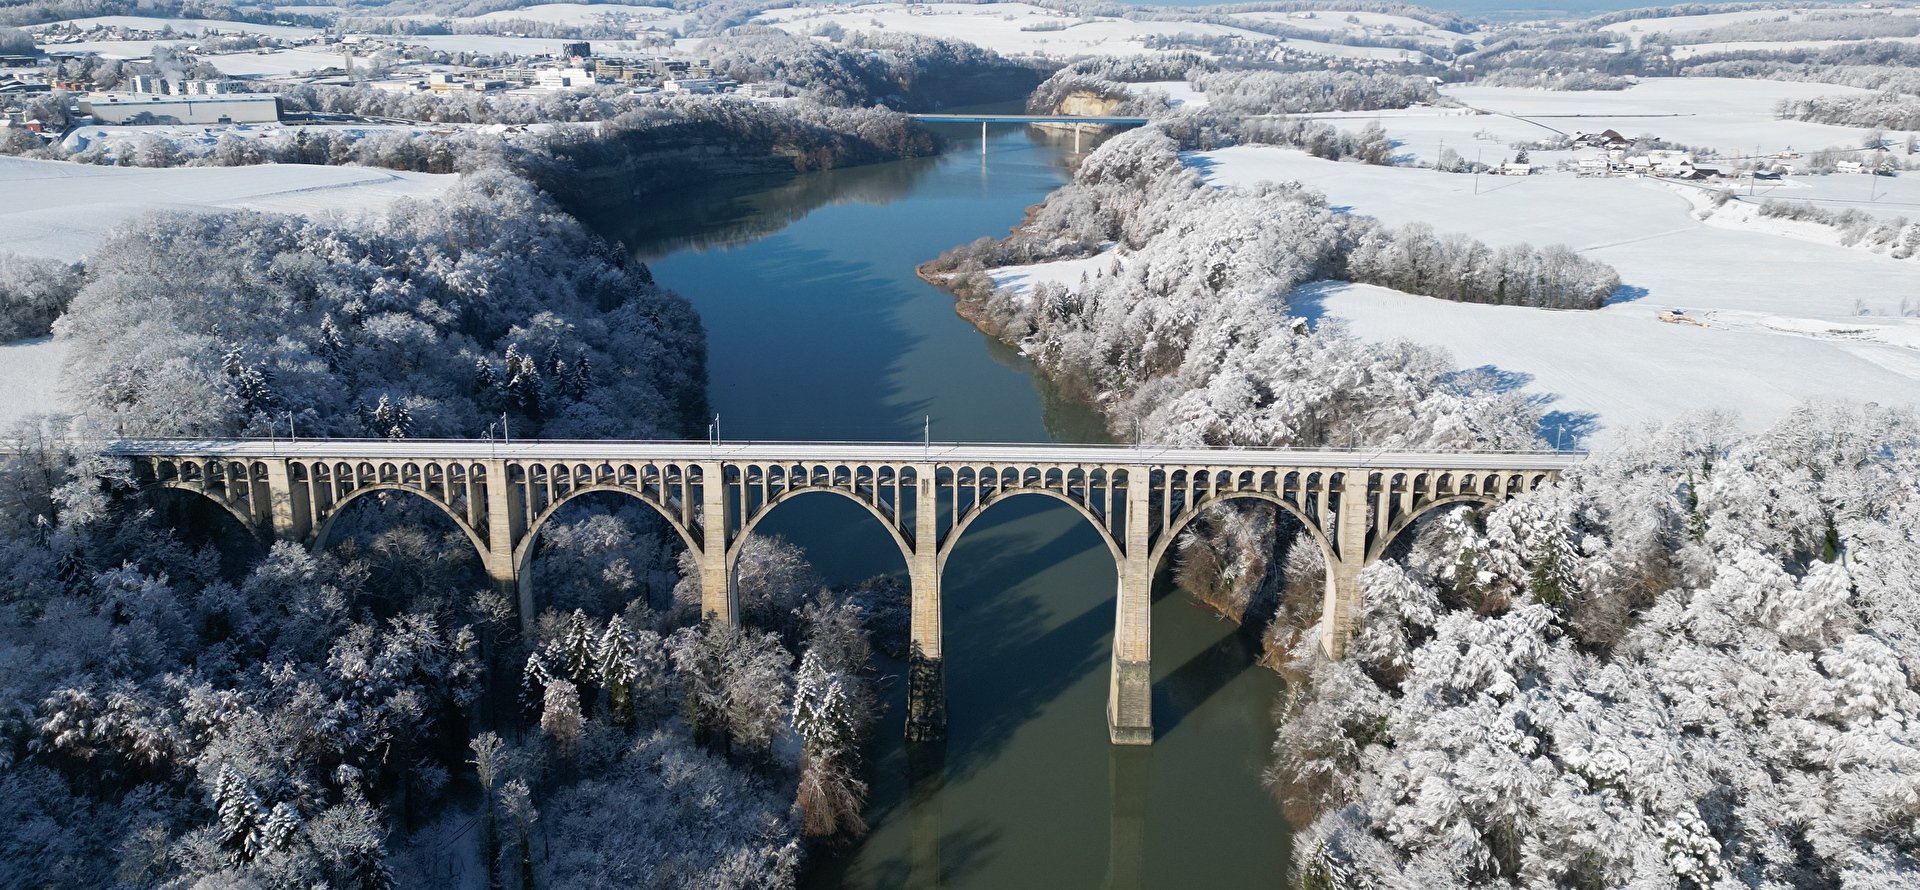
point(153, 109)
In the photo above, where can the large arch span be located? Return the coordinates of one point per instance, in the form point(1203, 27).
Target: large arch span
point(926, 495)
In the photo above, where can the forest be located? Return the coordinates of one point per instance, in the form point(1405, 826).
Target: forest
point(1691, 663)
point(1181, 327)
point(903, 71)
point(181, 708)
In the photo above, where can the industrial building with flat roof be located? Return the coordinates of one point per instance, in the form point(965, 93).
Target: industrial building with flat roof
point(150, 108)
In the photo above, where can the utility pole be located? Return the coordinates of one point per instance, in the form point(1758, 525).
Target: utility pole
point(1476, 171)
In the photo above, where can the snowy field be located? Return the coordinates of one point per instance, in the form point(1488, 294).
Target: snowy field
point(1781, 311)
point(1689, 50)
point(1679, 27)
point(199, 140)
point(1366, 24)
point(59, 209)
point(586, 14)
point(1733, 116)
point(279, 63)
point(31, 369)
point(190, 26)
point(999, 27)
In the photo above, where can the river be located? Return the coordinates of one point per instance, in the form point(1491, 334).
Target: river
point(818, 329)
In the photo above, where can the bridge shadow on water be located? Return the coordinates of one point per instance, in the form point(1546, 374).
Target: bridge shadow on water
point(1180, 692)
point(1006, 662)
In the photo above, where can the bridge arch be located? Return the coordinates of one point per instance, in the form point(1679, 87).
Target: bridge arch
point(952, 539)
point(246, 522)
point(324, 531)
point(1186, 517)
point(1381, 541)
point(750, 522)
point(523, 551)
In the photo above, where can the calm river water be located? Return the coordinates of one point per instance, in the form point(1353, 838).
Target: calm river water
point(818, 329)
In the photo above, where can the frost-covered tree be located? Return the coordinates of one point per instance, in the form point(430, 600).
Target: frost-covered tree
point(374, 327)
point(831, 794)
point(33, 292)
point(1747, 724)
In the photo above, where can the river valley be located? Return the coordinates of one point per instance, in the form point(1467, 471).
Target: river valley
point(819, 329)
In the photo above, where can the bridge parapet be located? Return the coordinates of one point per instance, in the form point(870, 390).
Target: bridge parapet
point(1351, 504)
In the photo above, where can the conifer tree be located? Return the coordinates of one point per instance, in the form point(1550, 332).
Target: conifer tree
point(615, 658)
point(237, 811)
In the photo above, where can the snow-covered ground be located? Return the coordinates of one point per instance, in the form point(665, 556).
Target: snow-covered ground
point(1679, 27)
point(1689, 50)
point(199, 139)
point(60, 209)
point(1780, 311)
point(1686, 24)
point(1179, 93)
point(31, 369)
point(279, 63)
point(1362, 24)
point(120, 49)
point(190, 26)
point(1000, 27)
point(587, 14)
point(1733, 116)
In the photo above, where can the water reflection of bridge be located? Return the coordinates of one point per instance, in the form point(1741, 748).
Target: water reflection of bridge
point(713, 494)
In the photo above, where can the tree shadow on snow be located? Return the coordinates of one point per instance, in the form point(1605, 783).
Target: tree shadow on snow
point(1497, 379)
point(1568, 430)
point(1626, 293)
point(1197, 161)
point(1308, 302)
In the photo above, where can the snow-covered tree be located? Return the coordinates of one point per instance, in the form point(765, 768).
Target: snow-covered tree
point(1749, 725)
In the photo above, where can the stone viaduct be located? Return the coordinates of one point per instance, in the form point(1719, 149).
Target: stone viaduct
point(713, 495)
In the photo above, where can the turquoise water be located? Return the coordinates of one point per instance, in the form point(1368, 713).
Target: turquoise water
point(818, 329)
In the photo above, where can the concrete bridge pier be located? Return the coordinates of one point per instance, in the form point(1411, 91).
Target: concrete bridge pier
point(1130, 689)
point(503, 520)
point(926, 665)
point(1340, 615)
point(719, 594)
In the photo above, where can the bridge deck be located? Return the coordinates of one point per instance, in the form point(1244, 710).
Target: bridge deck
point(884, 452)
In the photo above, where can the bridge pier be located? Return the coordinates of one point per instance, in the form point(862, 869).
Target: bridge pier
point(719, 596)
point(504, 512)
point(1340, 611)
point(926, 665)
point(1130, 687)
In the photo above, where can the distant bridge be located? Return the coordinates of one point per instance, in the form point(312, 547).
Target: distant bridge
point(1028, 119)
point(984, 119)
point(713, 494)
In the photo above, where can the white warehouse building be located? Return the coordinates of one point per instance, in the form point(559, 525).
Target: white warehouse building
point(150, 108)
